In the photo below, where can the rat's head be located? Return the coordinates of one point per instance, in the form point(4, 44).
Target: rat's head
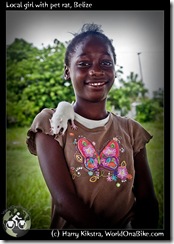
point(57, 125)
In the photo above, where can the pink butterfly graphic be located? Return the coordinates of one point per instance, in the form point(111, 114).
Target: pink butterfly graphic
point(108, 158)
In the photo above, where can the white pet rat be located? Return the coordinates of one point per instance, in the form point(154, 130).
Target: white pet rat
point(59, 121)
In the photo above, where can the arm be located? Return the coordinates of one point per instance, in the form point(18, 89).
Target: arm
point(146, 208)
point(60, 184)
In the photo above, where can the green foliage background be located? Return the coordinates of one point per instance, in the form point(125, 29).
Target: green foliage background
point(34, 80)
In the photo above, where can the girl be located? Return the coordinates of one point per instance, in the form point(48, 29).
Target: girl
point(98, 175)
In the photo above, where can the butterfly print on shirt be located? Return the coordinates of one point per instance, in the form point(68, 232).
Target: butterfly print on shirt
point(96, 163)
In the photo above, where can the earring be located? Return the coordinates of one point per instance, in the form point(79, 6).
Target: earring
point(66, 77)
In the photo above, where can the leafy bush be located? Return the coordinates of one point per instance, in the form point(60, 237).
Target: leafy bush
point(34, 80)
point(149, 110)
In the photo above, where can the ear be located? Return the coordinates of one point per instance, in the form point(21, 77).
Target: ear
point(66, 73)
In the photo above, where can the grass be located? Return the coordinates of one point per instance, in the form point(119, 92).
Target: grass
point(155, 150)
point(25, 184)
point(27, 188)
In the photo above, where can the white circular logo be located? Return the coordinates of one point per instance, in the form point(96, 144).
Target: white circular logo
point(16, 221)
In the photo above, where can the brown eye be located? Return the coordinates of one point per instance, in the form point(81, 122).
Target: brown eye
point(107, 63)
point(84, 64)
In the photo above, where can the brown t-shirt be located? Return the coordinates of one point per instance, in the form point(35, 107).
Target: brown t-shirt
point(101, 162)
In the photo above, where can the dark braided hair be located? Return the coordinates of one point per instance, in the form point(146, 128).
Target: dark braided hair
point(87, 30)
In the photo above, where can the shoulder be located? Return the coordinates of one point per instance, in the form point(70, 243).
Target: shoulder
point(126, 121)
point(41, 122)
point(122, 122)
point(45, 113)
point(137, 134)
point(132, 127)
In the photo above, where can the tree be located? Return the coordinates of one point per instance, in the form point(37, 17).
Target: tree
point(133, 87)
point(159, 97)
point(34, 80)
point(131, 90)
point(151, 109)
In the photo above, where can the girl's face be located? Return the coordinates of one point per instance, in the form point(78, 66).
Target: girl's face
point(91, 70)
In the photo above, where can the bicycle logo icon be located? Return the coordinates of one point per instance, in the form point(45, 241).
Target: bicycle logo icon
point(16, 221)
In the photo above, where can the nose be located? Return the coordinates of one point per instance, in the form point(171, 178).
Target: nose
point(96, 72)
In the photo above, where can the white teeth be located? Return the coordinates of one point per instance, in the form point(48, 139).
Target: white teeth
point(97, 84)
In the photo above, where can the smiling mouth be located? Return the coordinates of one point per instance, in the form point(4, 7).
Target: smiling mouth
point(96, 84)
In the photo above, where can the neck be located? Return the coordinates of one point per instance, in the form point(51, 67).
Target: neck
point(93, 111)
